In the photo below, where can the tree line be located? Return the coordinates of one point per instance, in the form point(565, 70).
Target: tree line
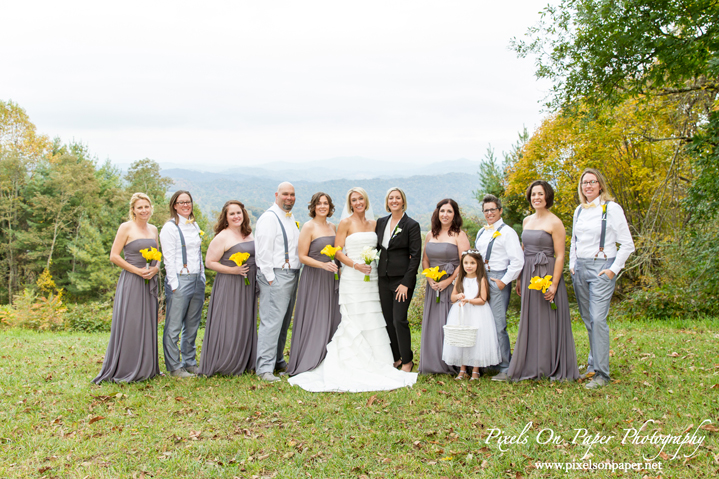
point(635, 95)
point(60, 209)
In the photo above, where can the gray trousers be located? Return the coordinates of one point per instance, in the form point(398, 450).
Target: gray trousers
point(277, 302)
point(183, 312)
point(594, 293)
point(499, 302)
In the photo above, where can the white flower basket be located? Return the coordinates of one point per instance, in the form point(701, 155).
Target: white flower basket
point(460, 335)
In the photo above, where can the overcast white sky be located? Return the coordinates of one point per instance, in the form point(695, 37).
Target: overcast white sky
point(227, 83)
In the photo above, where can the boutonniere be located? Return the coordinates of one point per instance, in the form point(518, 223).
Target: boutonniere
point(202, 233)
point(298, 224)
point(396, 232)
point(496, 233)
point(604, 208)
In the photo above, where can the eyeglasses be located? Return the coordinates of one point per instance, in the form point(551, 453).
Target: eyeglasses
point(589, 183)
point(184, 203)
point(491, 210)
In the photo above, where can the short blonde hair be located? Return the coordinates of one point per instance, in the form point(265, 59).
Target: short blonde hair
point(362, 192)
point(401, 193)
point(603, 194)
point(134, 199)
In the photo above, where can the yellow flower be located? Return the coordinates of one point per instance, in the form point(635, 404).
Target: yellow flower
point(433, 273)
point(240, 258)
point(330, 251)
point(202, 233)
point(604, 208)
point(150, 254)
point(496, 233)
point(298, 224)
point(540, 284)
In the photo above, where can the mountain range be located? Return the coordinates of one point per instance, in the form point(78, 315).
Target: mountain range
point(255, 186)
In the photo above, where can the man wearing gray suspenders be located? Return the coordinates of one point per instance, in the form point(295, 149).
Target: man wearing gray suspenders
point(278, 266)
point(498, 244)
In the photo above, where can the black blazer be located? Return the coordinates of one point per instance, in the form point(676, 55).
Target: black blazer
point(404, 253)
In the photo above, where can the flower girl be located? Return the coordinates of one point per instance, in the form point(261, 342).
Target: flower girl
point(471, 308)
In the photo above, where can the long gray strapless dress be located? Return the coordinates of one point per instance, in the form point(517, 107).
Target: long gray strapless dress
point(446, 256)
point(317, 312)
point(132, 352)
point(230, 344)
point(545, 344)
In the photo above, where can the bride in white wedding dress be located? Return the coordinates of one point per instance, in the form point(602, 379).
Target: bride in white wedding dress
point(359, 357)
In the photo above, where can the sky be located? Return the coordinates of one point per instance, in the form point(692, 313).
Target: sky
point(228, 83)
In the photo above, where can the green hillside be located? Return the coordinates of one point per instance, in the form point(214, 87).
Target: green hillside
point(423, 193)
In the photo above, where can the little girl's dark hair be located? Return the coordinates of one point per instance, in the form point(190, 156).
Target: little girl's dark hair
point(481, 273)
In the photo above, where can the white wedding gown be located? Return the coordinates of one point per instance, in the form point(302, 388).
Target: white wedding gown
point(359, 357)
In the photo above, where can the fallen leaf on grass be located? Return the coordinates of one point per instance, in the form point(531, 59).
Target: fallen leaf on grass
point(263, 457)
point(371, 400)
point(417, 444)
point(43, 470)
point(484, 465)
point(673, 355)
point(710, 427)
point(195, 435)
point(95, 419)
point(432, 463)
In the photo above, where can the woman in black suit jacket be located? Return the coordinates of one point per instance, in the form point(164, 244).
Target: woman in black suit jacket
point(399, 241)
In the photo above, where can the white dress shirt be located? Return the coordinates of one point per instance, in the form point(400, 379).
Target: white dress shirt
point(269, 245)
point(587, 231)
point(506, 251)
point(171, 247)
point(388, 232)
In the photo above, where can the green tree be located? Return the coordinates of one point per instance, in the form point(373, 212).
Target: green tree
point(62, 193)
point(144, 176)
point(491, 176)
point(21, 149)
point(603, 52)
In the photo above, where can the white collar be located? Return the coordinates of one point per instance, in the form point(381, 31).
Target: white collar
point(281, 213)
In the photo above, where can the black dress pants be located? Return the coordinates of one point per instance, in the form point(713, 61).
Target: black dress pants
point(395, 315)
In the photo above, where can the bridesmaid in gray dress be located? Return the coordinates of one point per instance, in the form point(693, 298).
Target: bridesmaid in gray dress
point(443, 247)
point(132, 352)
point(230, 343)
point(317, 313)
point(545, 344)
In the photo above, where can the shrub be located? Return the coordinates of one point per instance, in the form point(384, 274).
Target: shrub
point(416, 306)
point(34, 311)
point(93, 317)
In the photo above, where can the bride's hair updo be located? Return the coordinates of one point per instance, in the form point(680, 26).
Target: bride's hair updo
point(362, 192)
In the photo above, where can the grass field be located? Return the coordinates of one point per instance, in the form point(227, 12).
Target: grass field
point(55, 423)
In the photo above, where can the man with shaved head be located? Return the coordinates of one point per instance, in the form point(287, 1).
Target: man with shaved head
point(278, 266)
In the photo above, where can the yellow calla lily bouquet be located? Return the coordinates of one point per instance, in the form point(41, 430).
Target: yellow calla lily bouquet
point(331, 251)
point(434, 274)
point(542, 284)
point(240, 259)
point(150, 254)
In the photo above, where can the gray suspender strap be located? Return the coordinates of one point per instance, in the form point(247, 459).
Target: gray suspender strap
point(605, 209)
point(184, 248)
point(602, 236)
point(284, 238)
point(489, 246)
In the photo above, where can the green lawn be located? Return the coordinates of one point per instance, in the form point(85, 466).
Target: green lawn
point(55, 423)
